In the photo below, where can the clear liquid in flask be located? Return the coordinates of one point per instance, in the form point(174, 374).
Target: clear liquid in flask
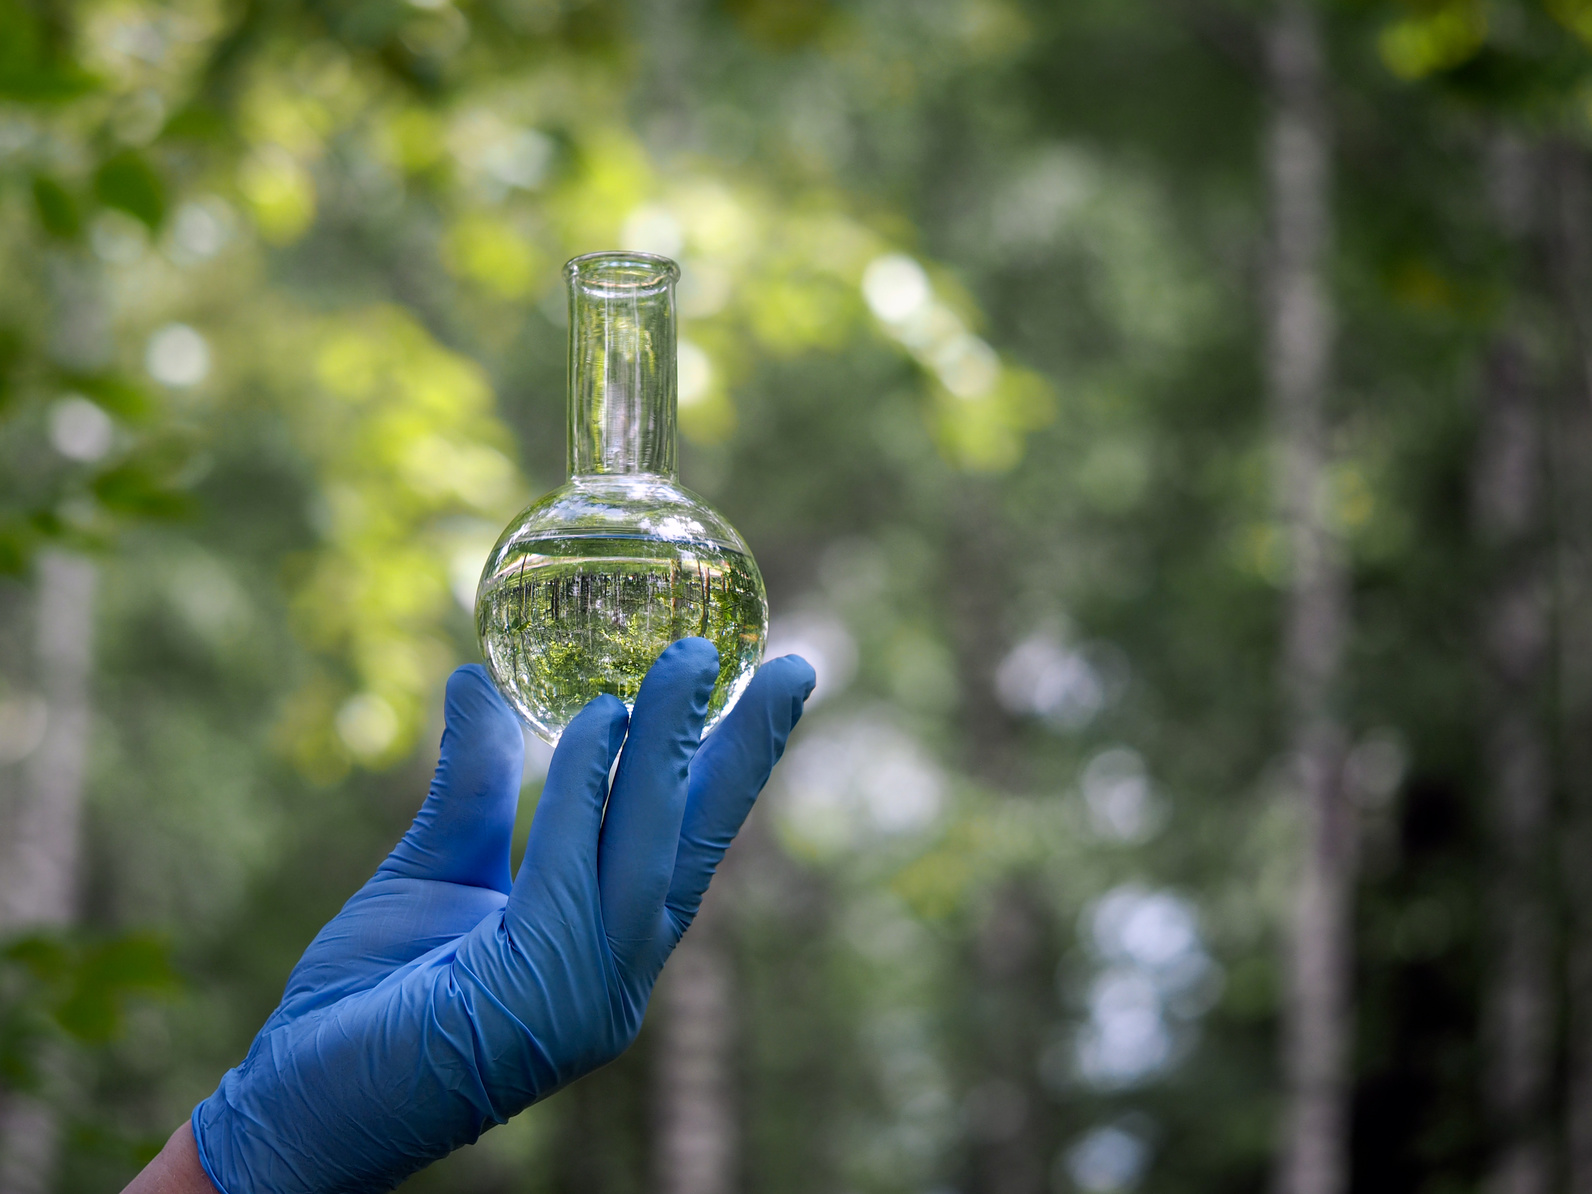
point(568, 619)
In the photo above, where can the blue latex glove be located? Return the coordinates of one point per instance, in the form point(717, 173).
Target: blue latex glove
point(442, 999)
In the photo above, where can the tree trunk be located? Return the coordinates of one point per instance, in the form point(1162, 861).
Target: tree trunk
point(39, 885)
point(697, 1127)
point(39, 866)
point(1570, 238)
point(664, 113)
point(1518, 999)
point(1004, 1112)
point(1519, 1004)
point(1313, 1158)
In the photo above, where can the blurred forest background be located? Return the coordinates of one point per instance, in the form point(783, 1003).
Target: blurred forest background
point(1165, 424)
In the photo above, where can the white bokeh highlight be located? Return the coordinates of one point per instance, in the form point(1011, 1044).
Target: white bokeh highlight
point(201, 228)
point(824, 642)
point(895, 287)
point(1044, 677)
point(367, 724)
point(900, 295)
point(695, 376)
point(652, 228)
point(859, 781)
point(519, 158)
point(177, 355)
point(1123, 805)
point(1155, 980)
point(1108, 1159)
point(80, 430)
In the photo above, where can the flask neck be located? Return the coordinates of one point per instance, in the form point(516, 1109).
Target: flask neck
point(622, 398)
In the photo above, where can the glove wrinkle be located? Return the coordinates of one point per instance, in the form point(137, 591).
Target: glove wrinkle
point(400, 919)
point(463, 1079)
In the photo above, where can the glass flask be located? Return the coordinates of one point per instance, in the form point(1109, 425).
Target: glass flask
point(588, 585)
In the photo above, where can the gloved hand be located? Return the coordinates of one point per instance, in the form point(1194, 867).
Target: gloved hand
point(441, 1000)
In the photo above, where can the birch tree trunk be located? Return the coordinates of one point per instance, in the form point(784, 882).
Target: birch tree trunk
point(39, 863)
point(1313, 1158)
point(697, 1128)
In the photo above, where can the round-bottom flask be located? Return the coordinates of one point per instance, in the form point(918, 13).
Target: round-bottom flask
point(587, 586)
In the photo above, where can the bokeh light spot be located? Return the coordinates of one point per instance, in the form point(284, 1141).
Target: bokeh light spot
point(177, 355)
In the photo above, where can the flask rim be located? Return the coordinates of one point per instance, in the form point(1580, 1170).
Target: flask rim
point(617, 272)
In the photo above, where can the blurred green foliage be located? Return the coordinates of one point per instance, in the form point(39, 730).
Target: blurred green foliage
point(53, 987)
point(972, 289)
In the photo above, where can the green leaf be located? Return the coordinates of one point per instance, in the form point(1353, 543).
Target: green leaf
point(128, 182)
point(137, 489)
point(135, 962)
point(47, 958)
point(370, 22)
point(55, 985)
point(105, 975)
point(12, 353)
point(28, 69)
point(19, 537)
point(16, 549)
point(782, 24)
point(56, 207)
point(122, 398)
point(197, 122)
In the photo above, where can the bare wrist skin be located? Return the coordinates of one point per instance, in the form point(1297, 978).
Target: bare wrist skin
point(176, 1170)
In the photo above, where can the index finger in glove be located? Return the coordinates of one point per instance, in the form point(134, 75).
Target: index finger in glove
point(461, 834)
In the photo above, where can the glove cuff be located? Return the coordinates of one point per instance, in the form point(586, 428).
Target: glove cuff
point(195, 1122)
